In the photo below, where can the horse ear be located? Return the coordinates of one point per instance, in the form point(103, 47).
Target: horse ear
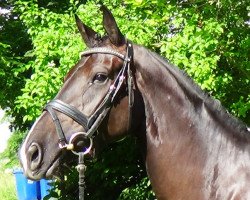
point(89, 36)
point(111, 27)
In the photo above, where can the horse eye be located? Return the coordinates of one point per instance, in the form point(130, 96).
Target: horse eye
point(100, 78)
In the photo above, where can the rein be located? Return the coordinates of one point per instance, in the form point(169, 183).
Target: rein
point(90, 124)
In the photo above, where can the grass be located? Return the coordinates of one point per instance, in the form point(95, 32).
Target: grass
point(7, 184)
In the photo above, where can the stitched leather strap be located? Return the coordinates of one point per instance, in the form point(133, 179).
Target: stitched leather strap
point(70, 111)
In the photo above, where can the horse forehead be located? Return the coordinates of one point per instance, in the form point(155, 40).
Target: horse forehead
point(94, 61)
point(107, 61)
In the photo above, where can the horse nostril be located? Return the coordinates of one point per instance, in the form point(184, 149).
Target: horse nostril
point(35, 154)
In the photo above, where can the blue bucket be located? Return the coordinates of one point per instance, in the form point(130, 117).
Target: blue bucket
point(45, 187)
point(26, 189)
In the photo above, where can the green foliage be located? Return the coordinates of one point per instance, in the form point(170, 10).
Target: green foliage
point(11, 152)
point(14, 43)
point(210, 40)
point(140, 191)
point(54, 45)
point(7, 183)
point(116, 173)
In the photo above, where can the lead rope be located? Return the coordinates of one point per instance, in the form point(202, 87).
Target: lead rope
point(81, 168)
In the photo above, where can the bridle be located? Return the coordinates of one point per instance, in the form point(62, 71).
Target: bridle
point(91, 123)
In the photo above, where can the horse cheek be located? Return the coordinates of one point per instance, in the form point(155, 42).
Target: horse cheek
point(118, 122)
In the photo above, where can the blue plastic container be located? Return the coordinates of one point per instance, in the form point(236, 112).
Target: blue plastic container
point(26, 189)
point(45, 187)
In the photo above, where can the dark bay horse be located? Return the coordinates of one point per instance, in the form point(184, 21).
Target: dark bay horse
point(193, 148)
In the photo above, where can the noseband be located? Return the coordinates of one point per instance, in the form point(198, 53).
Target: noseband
point(91, 123)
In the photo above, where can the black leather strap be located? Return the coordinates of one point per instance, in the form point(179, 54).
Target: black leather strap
point(62, 140)
point(70, 111)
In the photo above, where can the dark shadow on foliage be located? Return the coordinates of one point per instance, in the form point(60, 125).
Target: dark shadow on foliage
point(118, 167)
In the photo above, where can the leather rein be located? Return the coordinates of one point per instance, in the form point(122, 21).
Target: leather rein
point(91, 123)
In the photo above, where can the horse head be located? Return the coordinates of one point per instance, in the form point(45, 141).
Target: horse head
point(97, 97)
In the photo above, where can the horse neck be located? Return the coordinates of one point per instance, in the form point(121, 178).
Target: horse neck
point(170, 96)
point(181, 128)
